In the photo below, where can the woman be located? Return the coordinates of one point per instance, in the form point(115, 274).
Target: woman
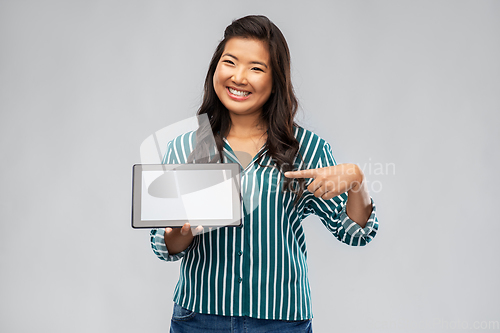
point(255, 276)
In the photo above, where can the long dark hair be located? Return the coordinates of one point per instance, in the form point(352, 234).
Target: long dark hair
point(279, 110)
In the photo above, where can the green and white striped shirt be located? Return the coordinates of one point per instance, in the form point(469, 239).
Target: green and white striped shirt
point(260, 269)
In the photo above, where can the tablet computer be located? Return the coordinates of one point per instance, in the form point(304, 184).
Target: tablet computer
point(169, 195)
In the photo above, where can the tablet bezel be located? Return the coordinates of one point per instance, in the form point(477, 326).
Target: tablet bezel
point(137, 170)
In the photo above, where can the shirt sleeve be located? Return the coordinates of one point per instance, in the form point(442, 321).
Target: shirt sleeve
point(160, 249)
point(333, 215)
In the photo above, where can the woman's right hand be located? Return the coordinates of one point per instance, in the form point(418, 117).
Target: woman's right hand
point(178, 239)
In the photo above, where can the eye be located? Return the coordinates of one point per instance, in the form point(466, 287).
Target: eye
point(258, 69)
point(228, 61)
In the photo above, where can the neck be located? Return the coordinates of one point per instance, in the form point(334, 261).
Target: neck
point(247, 125)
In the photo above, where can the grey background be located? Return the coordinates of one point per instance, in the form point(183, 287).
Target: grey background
point(410, 84)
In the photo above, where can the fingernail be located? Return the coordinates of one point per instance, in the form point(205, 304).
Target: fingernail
point(198, 230)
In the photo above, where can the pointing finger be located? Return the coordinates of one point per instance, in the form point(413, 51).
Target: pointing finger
point(311, 173)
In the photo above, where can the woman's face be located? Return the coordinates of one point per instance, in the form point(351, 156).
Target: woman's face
point(243, 77)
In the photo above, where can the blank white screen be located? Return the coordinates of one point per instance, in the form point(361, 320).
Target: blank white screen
point(187, 195)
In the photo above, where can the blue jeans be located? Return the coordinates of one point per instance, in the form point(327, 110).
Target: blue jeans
point(186, 321)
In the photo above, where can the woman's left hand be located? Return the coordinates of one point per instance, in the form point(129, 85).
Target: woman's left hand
point(331, 181)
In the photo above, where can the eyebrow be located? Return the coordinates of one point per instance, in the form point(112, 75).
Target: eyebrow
point(253, 62)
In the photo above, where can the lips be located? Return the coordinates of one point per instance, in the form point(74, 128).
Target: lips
point(238, 94)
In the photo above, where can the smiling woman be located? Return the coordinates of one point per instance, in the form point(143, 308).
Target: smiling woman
point(254, 278)
point(243, 83)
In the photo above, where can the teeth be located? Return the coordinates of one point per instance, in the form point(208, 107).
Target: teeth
point(238, 93)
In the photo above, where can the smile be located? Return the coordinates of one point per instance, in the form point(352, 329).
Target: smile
point(238, 92)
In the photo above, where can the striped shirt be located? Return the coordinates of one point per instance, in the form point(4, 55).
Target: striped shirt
point(260, 269)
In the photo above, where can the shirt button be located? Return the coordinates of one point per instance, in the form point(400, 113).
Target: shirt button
point(240, 252)
point(240, 279)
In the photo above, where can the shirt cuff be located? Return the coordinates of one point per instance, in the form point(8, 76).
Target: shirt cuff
point(353, 234)
point(160, 249)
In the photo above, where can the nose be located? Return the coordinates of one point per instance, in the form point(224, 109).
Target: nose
point(239, 77)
